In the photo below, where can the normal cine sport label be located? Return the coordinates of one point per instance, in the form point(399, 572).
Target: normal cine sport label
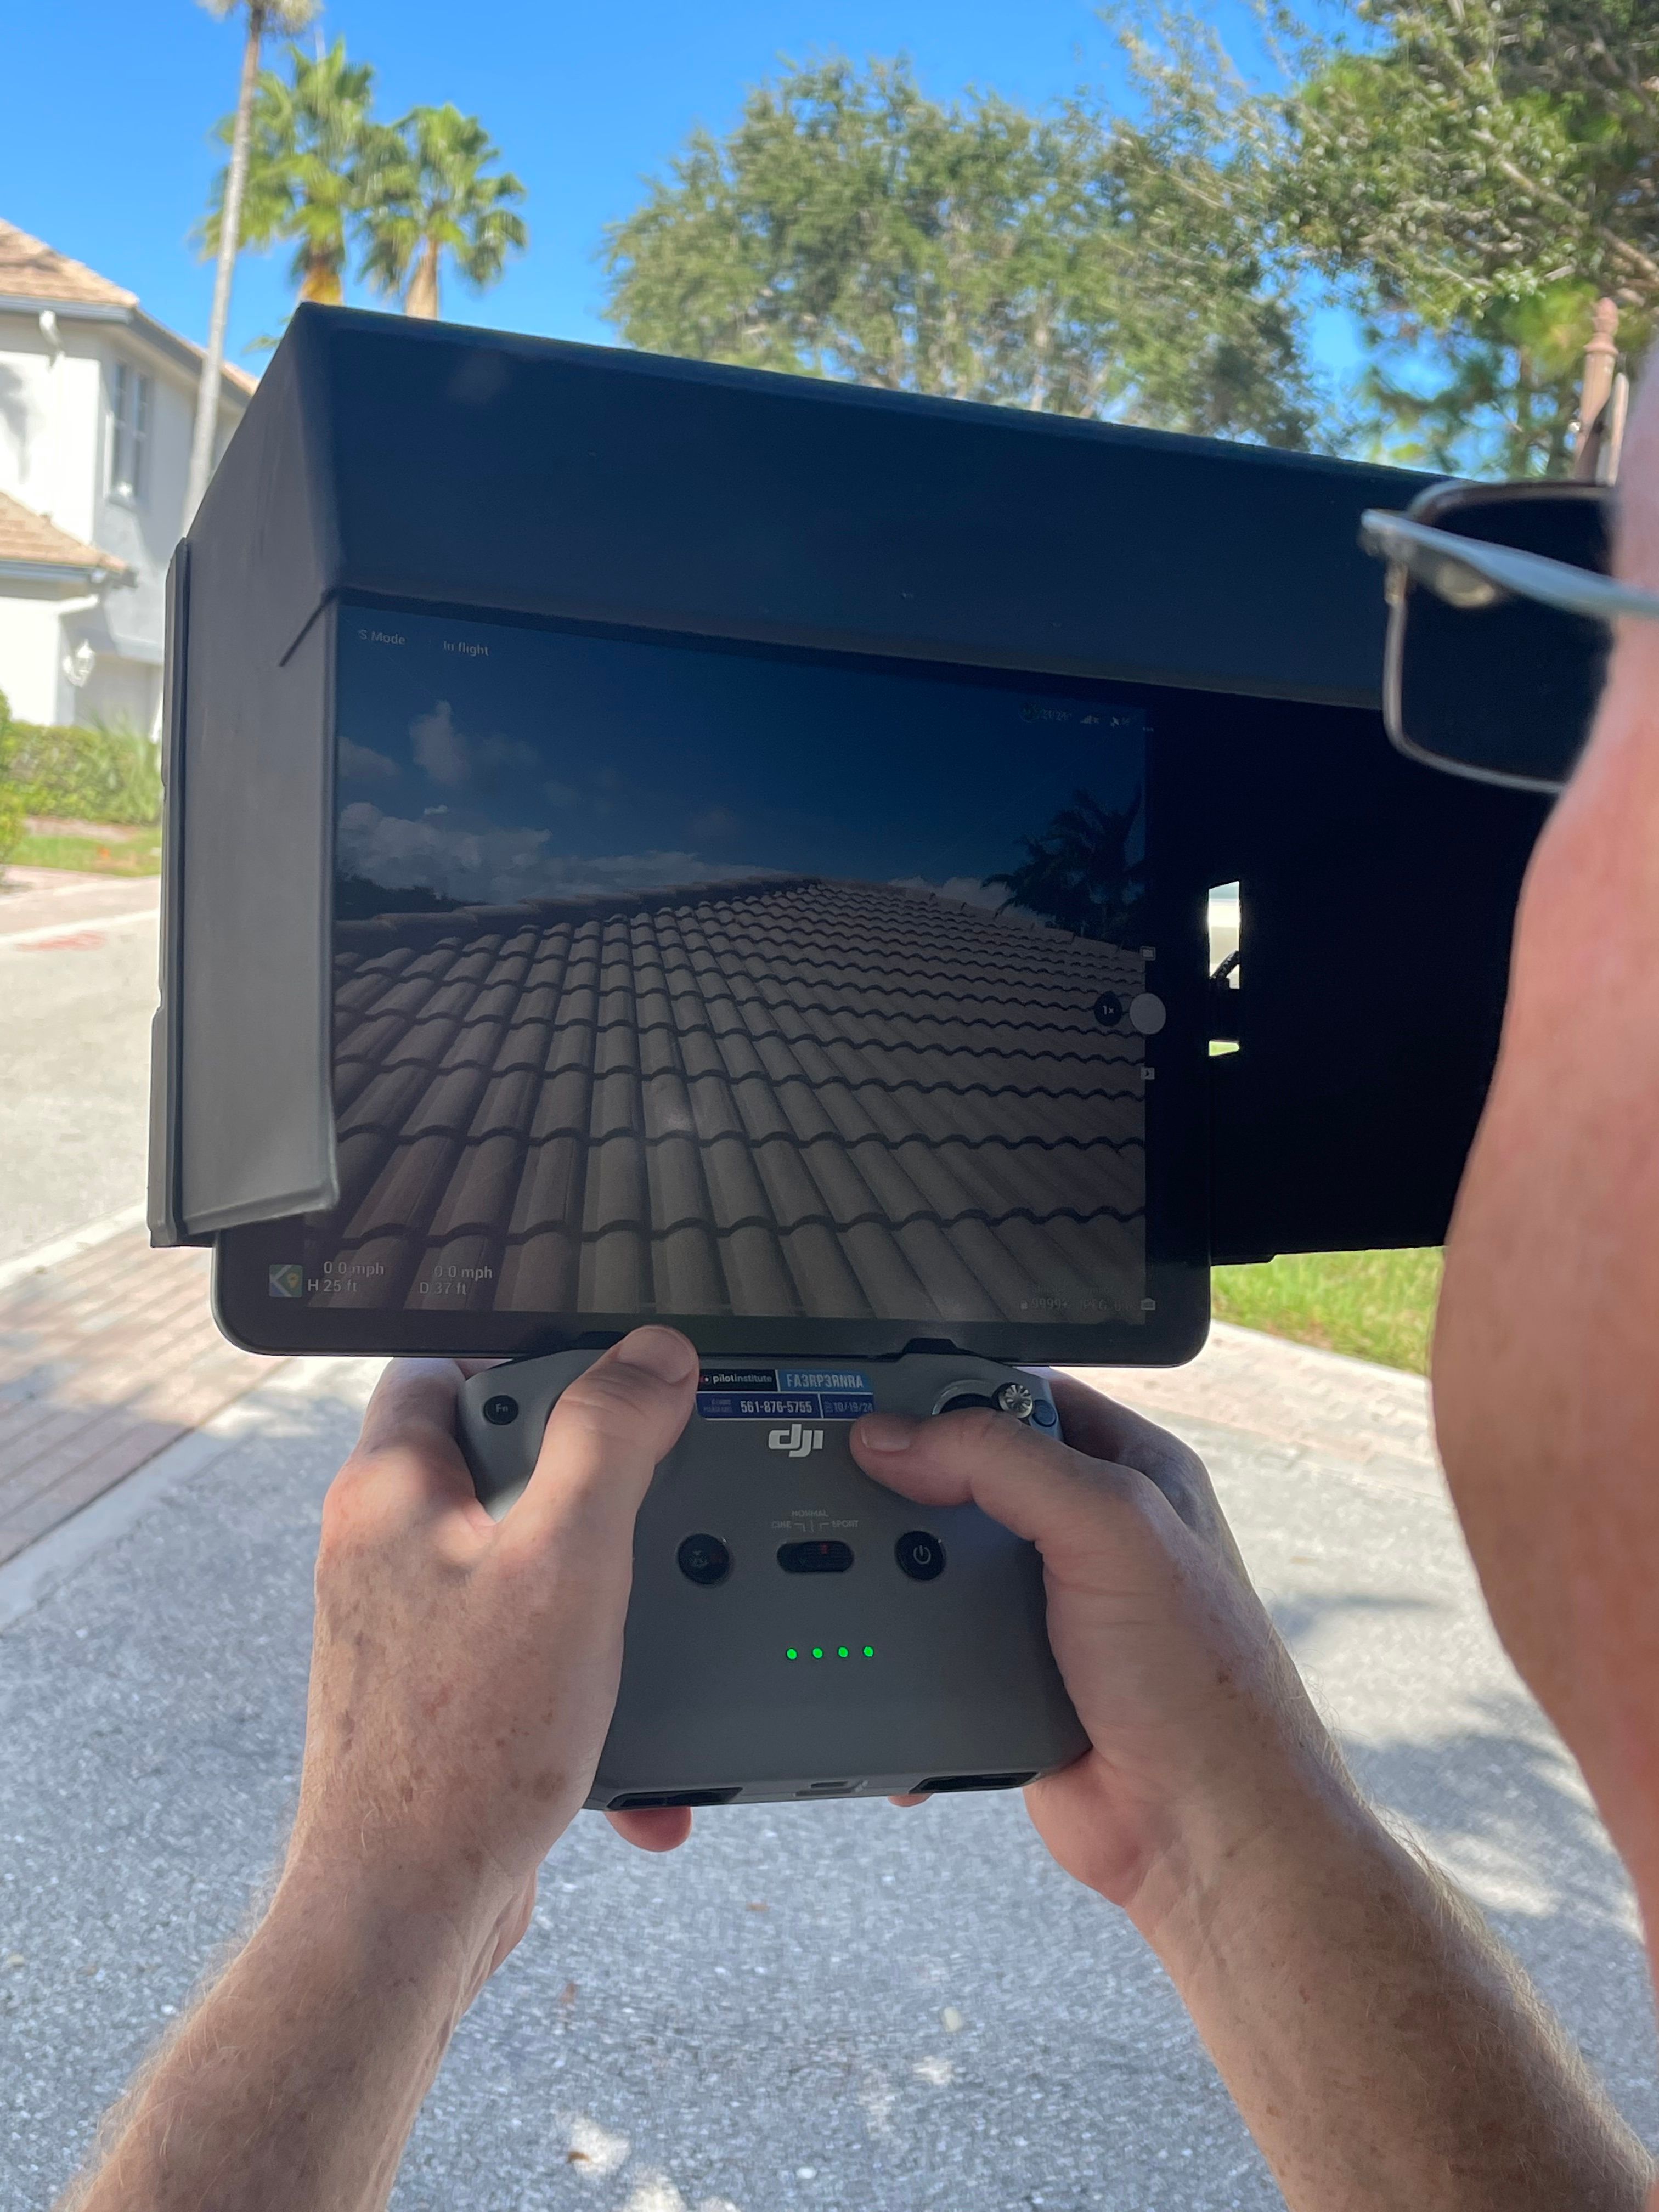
point(784, 1394)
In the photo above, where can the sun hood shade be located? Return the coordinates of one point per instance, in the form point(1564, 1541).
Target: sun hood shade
point(469, 471)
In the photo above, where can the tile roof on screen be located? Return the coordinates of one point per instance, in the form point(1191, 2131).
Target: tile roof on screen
point(29, 539)
point(782, 1094)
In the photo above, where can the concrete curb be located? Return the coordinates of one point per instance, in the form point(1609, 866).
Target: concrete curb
point(47, 930)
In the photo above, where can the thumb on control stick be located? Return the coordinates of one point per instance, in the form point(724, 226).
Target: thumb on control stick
point(605, 1439)
point(1076, 1501)
point(1041, 1489)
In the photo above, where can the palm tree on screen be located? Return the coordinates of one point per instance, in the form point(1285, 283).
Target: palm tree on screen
point(435, 199)
point(262, 16)
point(1078, 872)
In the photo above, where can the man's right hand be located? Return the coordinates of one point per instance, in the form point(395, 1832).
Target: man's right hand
point(1382, 2048)
point(1199, 1727)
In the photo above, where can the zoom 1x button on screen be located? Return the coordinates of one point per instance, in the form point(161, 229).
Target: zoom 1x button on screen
point(921, 1556)
point(704, 1559)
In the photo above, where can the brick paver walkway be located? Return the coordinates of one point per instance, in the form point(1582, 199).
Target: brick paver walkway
point(1345, 1411)
point(105, 1358)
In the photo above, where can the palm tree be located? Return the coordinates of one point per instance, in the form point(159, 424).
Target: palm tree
point(434, 200)
point(1079, 872)
point(312, 164)
point(262, 15)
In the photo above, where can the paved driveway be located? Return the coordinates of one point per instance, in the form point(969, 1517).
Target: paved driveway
point(836, 2006)
point(77, 986)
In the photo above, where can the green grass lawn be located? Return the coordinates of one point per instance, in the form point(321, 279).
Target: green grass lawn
point(1372, 1306)
point(114, 852)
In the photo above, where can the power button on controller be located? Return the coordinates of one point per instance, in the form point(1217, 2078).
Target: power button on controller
point(919, 1555)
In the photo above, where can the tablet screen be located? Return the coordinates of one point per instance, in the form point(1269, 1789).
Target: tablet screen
point(677, 980)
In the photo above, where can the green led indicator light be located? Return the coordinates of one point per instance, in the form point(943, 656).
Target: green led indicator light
point(818, 1651)
point(842, 1652)
point(869, 1650)
point(792, 1653)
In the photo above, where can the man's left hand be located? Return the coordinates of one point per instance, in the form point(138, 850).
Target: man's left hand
point(464, 1671)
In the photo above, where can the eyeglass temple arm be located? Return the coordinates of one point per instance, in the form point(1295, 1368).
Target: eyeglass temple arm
point(1529, 575)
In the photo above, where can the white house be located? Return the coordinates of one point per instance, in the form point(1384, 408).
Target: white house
point(97, 403)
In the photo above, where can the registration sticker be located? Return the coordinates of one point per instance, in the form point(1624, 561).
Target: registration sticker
point(825, 1378)
point(784, 1394)
point(769, 1406)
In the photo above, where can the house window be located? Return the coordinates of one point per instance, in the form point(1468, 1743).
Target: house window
point(129, 426)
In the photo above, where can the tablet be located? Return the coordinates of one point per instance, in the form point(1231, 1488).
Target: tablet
point(815, 1004)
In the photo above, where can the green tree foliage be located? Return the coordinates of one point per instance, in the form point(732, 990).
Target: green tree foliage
point(12, 809)
point(80, 774)
point(315, 159)
point(323, 175)
point(435, 198)
point(1472, 175)
point(849, 226)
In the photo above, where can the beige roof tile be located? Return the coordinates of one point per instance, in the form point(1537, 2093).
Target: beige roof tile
point(26, 536)
point(32, 270)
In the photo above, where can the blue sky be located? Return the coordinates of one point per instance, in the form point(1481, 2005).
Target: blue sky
point(105, 152)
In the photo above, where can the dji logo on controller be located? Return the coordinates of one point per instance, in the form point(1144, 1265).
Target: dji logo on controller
point(795, 1440)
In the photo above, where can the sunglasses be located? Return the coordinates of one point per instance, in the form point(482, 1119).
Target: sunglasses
point(1500, 609)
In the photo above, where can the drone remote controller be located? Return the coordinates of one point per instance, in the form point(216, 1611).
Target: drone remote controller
point(796, 1630)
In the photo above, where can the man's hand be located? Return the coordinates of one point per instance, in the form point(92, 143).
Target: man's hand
point(462, 1677)
point(1196, 1717)
point(463, 1670)
point(1382, 2048)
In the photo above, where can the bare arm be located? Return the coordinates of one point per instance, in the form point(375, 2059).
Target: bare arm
point(1383, 2047)
point(297, 2079)
point(462, 1677)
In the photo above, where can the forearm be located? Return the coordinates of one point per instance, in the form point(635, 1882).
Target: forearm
point(1383, 2048)
point(297, 2078)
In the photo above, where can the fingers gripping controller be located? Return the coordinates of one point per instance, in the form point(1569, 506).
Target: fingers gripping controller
point(796, 1628)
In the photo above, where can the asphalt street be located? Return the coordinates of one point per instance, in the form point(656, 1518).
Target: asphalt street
point(77, 986)
point(841, 2007)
